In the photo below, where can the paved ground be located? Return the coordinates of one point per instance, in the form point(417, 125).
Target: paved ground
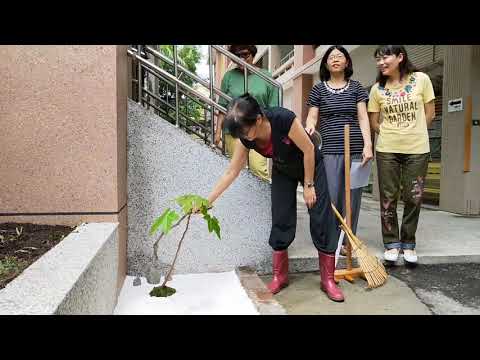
point(304, 297)
point(446, 289)
point(446, 281)
point(441, 289)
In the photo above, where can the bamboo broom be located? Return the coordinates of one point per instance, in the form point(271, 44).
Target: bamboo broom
point(372, 268)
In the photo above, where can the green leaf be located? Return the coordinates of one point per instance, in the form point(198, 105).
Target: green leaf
point(204, 210)
point(209, 222)
point(213, 225)
point(189, 201)
point(158, 221)
point(171, 218)
point(164, 222)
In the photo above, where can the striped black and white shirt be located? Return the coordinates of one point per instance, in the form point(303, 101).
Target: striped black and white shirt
point(338, 107)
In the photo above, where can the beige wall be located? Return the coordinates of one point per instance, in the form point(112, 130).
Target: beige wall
point(303, 83)
point(60, 115)
point(364, 67)
point(261, 51)
point(459, 190)
point(475, 164)
point(122, 86)
point(287, 98)
point(472, 190)
point(63, 115)
point(456, 84)
point(303, 54)
point(274, 57)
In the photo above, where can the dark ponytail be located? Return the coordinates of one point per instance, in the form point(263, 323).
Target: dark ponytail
point(243, 112)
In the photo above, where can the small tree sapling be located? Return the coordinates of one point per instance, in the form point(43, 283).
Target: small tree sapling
point(191, 205)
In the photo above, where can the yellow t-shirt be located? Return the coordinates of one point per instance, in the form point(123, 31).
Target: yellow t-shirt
point(404, 126)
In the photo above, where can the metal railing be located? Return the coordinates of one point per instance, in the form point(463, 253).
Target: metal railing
point(163, 79)
point(283, 68)
point(287, 57)
point(167, 60)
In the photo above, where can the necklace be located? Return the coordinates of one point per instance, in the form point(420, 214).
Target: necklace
point(339, 90)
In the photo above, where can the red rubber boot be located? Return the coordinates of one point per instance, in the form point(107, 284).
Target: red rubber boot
point(280, 271)
point(327, 283)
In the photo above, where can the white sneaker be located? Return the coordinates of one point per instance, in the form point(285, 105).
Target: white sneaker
point(391, 254)
point(410, 256)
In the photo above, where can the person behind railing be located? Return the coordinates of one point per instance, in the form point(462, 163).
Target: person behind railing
point(334, 102)
point(233, 84)
point(405, 98)
point(277, 133)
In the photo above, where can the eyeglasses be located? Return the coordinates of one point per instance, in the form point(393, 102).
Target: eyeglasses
point(243, 54)
point(338, 56)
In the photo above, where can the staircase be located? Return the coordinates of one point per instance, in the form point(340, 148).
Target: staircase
point(170, 153)
point(158, 87)
point(160, 83)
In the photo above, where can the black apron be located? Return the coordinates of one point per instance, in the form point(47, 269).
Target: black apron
point(288, 158)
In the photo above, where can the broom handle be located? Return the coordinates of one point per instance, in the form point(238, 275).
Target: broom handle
point(348, 208)
point(346, 228)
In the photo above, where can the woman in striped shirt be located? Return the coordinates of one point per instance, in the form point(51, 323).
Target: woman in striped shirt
point(334, 102)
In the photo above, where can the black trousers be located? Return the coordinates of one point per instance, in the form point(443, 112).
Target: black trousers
point(284, 212)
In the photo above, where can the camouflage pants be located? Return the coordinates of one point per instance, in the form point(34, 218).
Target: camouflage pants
point(400, 174)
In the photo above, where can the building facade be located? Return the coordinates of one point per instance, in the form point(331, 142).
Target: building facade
point(454, 170)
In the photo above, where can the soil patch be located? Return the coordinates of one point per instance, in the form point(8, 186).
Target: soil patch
point(22, 244)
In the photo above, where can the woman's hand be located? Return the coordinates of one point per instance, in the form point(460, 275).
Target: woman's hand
point(367, 154)
point(375, 121)
point(310, 127)
point(365, 124)
point(309, 196)
point(312, 119)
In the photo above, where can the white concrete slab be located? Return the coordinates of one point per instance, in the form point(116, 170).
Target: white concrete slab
point(197, 294)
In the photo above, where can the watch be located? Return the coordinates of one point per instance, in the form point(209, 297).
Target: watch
point(309, 184)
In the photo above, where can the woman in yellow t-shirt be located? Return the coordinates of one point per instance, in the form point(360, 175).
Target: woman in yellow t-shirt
point(405, 100)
